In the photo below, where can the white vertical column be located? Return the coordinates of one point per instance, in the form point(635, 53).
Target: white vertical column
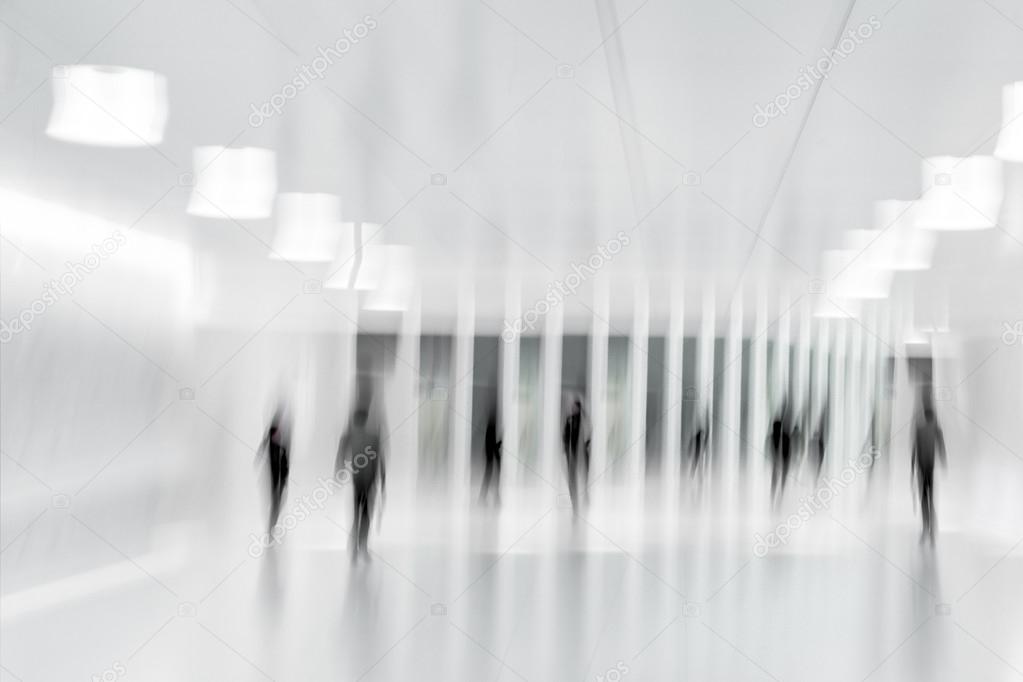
point(552, 408)
point(635, 463)
point(598, 375)
point(347, 366)
point(856, 405)
point(820, 376)
point(406, 388)
point(509, 358)
point(732, 416)
point(758, 398)
point(837, 432)
point(671, 467)
point(802, 397)
point(783, 338)
point(461, 431)
point(705, 349)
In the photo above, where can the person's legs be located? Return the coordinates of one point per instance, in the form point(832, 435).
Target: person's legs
point(275, 494)
point(367, 516)
point(497, 479)
point(572, 480)
point(487, 473)
point(358, 503)
point(927, 503)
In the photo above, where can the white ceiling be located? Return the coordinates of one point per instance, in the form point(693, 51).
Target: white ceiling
point(540, 169)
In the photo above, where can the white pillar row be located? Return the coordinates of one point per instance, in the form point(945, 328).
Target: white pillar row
point(635, 463)
point(509, 359)
point(461, 398)
point(597, 400)
point(552, 406)
point(671, 467)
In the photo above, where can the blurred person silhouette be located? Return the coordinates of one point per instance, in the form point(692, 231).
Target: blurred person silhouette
point(780, 449)
point(819, 441)
point(492, 451)
point(576, 443)
point(698, 446)
point(360, 453)
point(276, 446)
point(872, 444)
point(928, 443)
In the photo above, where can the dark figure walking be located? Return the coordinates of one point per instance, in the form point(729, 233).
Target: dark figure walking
point(819, 441)
point(780, 446)
point(698, 446)
point(928, 442)
point(276, 447)
point(492, 472)
point(577, 447)
point(361, 454)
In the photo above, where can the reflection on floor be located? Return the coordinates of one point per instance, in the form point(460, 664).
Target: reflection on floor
point(647, 589)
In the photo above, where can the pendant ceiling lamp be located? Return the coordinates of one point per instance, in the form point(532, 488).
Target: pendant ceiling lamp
point(109, 106)
point(233, 183)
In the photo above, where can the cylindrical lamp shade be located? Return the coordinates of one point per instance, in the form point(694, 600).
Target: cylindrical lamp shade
point(110, 106)
point(960, 193)
point(1010, 139)
point(900, 246)
point(394, 286)
point(308, 227)
point(236, 184)
point(857, 278)
point(832, 303)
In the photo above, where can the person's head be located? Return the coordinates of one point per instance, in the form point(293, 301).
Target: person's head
point(577, 406)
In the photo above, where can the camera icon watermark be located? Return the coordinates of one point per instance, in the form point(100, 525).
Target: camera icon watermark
point(186, 179)
point(564, 501)
point(439, 394)
point(438, 179)
point(61, 501)
point(1012, 334)
point(690, 394)
point(187, 609)
point(692, 179)
point(943, 179)
point(943, 609)
point(312, 286)
point(944, 393)
point(565, 71)
point(817, 286)
point(438, 609)
point(691, 610)
point(186, 393)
